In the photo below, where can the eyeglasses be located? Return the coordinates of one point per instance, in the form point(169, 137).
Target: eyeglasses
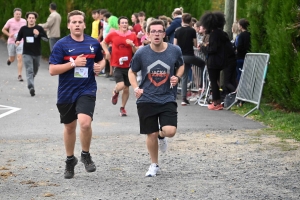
point(157, 32)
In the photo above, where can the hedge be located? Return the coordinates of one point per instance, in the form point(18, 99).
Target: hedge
point(152, 8)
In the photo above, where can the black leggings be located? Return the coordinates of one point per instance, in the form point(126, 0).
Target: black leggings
point(214, 77)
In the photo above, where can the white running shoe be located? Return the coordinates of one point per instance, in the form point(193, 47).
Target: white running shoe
point(152, 171)
point(162, 145)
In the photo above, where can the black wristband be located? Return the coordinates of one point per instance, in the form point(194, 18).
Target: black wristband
point(178, 78)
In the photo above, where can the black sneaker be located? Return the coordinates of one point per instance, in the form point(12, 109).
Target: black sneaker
point(32, 92)
point(89, 165)
point(70, 165)
point(8, 62)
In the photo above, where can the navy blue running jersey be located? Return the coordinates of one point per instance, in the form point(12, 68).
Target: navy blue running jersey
point(71, 86)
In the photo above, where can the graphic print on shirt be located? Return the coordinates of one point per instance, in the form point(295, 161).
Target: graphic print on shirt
point(92, 48)
point(158, 73)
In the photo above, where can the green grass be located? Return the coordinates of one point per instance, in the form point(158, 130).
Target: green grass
point(281, 123)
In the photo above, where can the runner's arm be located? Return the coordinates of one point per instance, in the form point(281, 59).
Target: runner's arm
point(59, 68)
point(5, 31)
point(132, 79)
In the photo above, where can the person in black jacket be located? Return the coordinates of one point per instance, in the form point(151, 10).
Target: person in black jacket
point(243, 46)
point(186, 39)
point(229, 71)
point(215, 51)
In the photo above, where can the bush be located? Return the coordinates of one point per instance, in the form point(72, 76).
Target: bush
point(153, 8)
point(271, 32)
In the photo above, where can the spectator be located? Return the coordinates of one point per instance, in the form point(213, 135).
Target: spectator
point(170, 32)
point(52, 26)
point(95, 24)
point(243, 46)
point(214, 50)
point(186, 39)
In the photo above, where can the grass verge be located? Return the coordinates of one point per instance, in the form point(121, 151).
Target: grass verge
point(281, 123)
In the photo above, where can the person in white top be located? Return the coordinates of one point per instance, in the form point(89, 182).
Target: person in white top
point(11, 29)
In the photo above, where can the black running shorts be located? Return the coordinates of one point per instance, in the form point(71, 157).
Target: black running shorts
point(121, 75)
point(151, 115)
point(83, 105)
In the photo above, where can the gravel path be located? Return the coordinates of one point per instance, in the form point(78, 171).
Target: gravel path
point(202, 165)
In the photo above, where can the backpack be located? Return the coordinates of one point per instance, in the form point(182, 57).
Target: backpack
point(229, 99)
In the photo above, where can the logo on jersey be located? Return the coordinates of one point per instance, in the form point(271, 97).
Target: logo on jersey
point(70, 50)
point(92, 48)
point(158, 73)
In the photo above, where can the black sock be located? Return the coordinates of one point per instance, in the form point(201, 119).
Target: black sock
point(159, 137)
point(70, 157)
point(84, 152)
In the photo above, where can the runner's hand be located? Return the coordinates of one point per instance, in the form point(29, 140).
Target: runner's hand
point(174, 80)
point(138, 92)
point(80, 61)
point(97, 68)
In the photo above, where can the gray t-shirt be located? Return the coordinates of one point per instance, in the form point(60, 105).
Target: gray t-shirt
point(156, 69)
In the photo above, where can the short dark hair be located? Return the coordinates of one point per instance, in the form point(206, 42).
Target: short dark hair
point(122, 17)
point(31, 13)
point(186, 18)
point(198, 24)
point(96, 11)
point(17, 9)
point(102, 11)
point(53, 6)
point(107, 15)
point(75, 12)
point(156, 22)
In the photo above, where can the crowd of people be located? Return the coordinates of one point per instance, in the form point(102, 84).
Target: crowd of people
point(150, 54)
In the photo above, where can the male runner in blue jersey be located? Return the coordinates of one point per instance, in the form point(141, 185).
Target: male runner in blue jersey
point(76, 58)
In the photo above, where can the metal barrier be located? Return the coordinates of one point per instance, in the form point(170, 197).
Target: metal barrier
point(252, 80)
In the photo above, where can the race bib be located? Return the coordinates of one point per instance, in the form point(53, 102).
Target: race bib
point(29, 39)
point(81, 72)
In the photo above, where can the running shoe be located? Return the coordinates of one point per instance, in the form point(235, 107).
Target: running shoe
point(20, 78)
point(8, 62)
point(89, 165)
point(153, 170)
point(32, 92)
point(70, 165)
point(123, 112)
point(162, 145)
point(215, 107)
point(114, 98)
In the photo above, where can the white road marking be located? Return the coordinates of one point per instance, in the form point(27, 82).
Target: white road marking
point(9, 111)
